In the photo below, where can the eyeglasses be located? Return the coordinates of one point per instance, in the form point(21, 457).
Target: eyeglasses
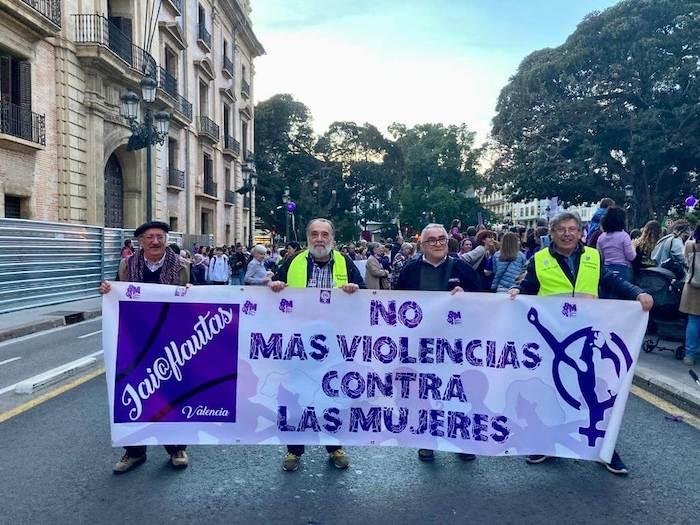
point(150, 238)
point(440, 241)
point(562, 231)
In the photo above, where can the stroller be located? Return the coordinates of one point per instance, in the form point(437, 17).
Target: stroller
point(665, 322)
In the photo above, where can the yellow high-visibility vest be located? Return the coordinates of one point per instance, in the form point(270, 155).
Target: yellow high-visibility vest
point(297, 272)
point(553, 280)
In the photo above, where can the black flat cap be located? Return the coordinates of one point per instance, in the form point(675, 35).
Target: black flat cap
point(148, 225)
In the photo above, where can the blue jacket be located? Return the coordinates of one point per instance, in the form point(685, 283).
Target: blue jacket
point(506, 272)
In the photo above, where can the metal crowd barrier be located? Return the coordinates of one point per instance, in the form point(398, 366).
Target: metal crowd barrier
point(43, 263)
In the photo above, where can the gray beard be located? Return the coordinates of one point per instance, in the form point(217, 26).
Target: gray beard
point(320, 253)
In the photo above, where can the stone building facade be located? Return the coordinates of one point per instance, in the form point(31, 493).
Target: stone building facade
point(201, 54)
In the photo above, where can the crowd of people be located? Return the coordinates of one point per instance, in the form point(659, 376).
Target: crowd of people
point(561, 256)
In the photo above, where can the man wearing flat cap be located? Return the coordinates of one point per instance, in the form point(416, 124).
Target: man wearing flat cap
point(155, 263)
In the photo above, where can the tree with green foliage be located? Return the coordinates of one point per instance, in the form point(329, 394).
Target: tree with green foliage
point(615, 105)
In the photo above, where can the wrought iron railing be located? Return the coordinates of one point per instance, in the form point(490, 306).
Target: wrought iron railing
point(51, 9)
point(228, 65)
point(22, 122)
point(230, 196)
point(167, 82)
point(97, 29)
point(204, 35)
point(207, 126)
point(209, 186)
point(176, 178)
point(245, 87)
point(183, 106)
point(232, 144)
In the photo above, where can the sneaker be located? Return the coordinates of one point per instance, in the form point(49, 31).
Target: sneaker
point(339, 458)
point(689, 360)
point(290, 463)
point(536, 458)
point(179, 460)
point(466, 457)
point(127, 463)
point(425, 454)
point(616, 466)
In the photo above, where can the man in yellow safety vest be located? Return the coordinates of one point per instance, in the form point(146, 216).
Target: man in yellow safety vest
point(569, 268)
point(319, 266)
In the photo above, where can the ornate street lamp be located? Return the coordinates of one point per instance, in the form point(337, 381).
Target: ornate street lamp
point(154, 130)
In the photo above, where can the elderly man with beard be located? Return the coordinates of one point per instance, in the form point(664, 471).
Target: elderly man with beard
point(154, 263)
point(320, 266)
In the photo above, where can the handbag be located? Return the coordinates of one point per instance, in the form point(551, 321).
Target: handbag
point(694, 277)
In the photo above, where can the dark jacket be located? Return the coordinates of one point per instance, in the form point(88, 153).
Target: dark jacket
point(460, 274)
point(354, 275)
point(609, 283)
point(238, 262)
point(198, 274)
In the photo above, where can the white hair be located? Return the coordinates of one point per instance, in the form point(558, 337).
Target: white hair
point(430, 227)
point(259, 248)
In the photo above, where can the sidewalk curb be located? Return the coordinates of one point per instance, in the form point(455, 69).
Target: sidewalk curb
point(646, 379)
point(48, 323)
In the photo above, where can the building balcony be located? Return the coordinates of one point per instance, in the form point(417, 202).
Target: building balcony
point(44, 16)
point(183, 109)
point(230, 197)
point(204, 37)
point(176, 179)
point(208, 129)
point(167, 82)
point(176, 5)
point(231, 146)
point(21, 128)
point(210, 187)
point(227, 68)
point(245, 88)
point(102, 44)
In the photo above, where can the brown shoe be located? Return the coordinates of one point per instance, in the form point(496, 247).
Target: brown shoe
point(339, 459)
point(127, 463)
point(179, 460)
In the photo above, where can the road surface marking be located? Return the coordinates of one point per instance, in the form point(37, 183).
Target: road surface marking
point(14, 340)
point(50, 395)
point(90, 334)
point(11, 360)
point(667, 407)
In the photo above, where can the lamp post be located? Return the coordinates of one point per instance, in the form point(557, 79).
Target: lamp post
point(285, 200)
point(145, 135)
point(251, 181)
point(629, 198)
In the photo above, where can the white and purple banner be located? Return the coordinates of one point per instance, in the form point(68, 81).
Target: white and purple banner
point(472, 373)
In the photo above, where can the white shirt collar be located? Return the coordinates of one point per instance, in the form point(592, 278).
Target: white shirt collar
point(434, 265)
point(154, 266)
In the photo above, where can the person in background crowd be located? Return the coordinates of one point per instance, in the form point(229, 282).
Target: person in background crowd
point(471, 235)
point(186, 258)
point(485, 241)
point(400, 261)
point(455, 231)
point(218, 270)
point(155, 263)
point(127, 250)
point(376, 277)
point(594, 227)
point(238, 263)
point(644, 246)
point(205, 256)
point(198, 274)
point(174, 247)
point(320, 266)
point(351, 252)
point(569, 268)
point(395, 247)
point(668, 252)
point(195, 248)
point(293, 248)
point(508, 263)
point(452, 247)
point(690, 299)
point(435, 271)
point(257, 273)
point(465, 247)
point(635, 234)
point(615, 245)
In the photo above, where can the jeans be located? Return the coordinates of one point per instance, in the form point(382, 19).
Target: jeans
point(692, 336)
point(623, 272)
point(237, 277)
point(140, 450)
point(298, 450)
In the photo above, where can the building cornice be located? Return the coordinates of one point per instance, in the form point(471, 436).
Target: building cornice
point(242, 27)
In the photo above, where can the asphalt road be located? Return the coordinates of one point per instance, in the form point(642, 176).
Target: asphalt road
point(56, 459)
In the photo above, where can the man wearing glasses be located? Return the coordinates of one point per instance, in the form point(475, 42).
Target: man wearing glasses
point(155, 263)
point(435, 271)
point(569, 268)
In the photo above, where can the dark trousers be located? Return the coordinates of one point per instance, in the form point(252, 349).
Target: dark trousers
point(298, 450)
point(140, 450)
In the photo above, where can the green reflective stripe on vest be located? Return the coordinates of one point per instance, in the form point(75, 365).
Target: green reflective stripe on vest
point(553, 280)
point(298, 270)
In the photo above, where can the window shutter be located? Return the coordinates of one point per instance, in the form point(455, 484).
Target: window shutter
point(25, 84)
point(5, 76)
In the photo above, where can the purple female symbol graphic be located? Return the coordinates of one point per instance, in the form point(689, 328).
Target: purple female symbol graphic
point(587, 376)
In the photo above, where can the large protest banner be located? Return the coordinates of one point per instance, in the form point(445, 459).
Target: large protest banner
point(471, 372)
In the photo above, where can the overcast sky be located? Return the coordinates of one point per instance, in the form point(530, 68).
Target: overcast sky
point(411, 61)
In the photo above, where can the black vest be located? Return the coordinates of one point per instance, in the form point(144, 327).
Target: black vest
point(151, 277)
